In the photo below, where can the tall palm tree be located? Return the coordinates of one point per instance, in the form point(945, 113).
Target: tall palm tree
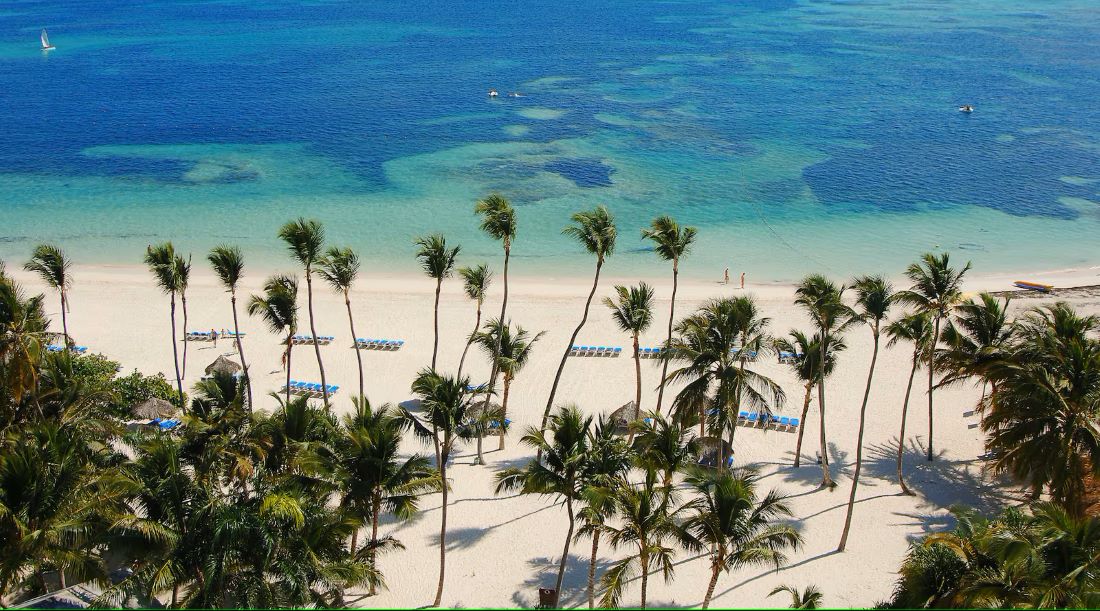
point(228, 264)
point(936, 289)
point(633, 312)
point(304, 239)
point(823, 300)
point(917, 330)
point(161, 260)
point(752, 339)
point(445, 402)
point(804, 364)
point(595, 230)
point(376, 478)
point(647, 525)
point(513, 349)
point(558, 474)
point(438, 262)
point(339, 268)
point(874, 298)
point(182, 269)
point(738, 527)
point(23, 328)
point(498, 219)
point(978, 336)
point(51, 264)
point(671, 242)
point(809, 598)
point(475, 282)
point(278, 307)
point(663, 445)
point(605, 468)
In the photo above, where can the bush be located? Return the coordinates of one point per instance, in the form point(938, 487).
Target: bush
point(125, 391)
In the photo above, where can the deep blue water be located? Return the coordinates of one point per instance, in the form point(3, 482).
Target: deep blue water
point(796, 134)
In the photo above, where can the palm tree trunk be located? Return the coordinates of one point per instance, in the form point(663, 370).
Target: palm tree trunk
point(183, 301)
point(638, 388)
point(354, 542)
point(61, 578)
point(372, 555)
point(645, 574)
point(572, 339)
point(313, 331)
point(671, 317)
point(592, 570)
point(435, 322)
point(715, 570)
point(565, 552)
point(175, 353)
point(354, 337)
point(931, 358)
point(469, 340)
point(494, 368)
point(65, 320)
point(442, 536)
point(826, 480)
point(289, 346)
point(802, 424)
point(904, 414)
point(480, 458)
point(859, 448)
point(240, 346)
point(504, 408)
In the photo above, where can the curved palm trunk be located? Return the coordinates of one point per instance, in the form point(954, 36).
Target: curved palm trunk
point(372, 555)
point(931, 357)
point(289, 346)
point(504, 407)
point(592, 570)
point(645, 573)
point(638, 388)
point(175, 353)
point(715, 570)
point(442, 535)
point(802, 424)
point(435, 322)
point(65, 320)
point(240, 346)
point(480, 437)
point(470, 340)
point(671, 317)
point(826, 480)
point(183, 301)
point(313, 332)
point(494, 368)
point(565, 552)
point(859, 449)
point(572, 340)
point(354, 337)
point(904, 414)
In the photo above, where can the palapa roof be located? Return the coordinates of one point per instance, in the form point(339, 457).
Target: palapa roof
point(222, 365)
point(478, 408)
point(710, 449)
point(153, 407)
point(622, 417)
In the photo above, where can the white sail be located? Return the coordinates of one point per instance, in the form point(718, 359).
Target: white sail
point(45, 40)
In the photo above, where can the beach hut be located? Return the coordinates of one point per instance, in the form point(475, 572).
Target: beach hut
point(153, 407)
point(222, 365)
point(622, 417)
point(710, 451)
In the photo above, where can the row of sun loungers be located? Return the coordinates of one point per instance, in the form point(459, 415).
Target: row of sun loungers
point(749, 355)
point(649, 353)
point(379, 344)
point(164, 424)
point(595, 351)
point(76, 349)
point(781, 423)
point(789, 357)
point(311, 389)
point(324, 340)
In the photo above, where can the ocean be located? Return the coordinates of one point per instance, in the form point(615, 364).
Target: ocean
point(797, 135)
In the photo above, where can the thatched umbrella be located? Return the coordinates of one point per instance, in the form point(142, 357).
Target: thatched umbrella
point(475, 412)
point(222, 365)
point(153, 407)
point(711, 449)
point(622, 417)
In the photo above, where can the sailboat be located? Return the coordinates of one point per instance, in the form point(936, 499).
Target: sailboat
point(46, 46)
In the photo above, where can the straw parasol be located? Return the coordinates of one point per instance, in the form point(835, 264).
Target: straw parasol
point(222, 365)
point(153, 407)
point(622, 417)
point(475, 412)
point(710, 449)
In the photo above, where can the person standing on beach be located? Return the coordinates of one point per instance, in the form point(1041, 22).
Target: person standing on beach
point(726, 276)
point(214, 337)
point(742, 279)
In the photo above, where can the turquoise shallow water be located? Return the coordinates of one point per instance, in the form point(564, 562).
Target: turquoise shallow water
point(796, 135)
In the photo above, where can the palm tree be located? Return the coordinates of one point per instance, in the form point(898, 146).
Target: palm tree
point(375, 477)
point(304, 239)
point(513, 350)
point(339, 268)
point(739, 528)
point(228, 264)
point(752, 339)
point(633, 312)
point(475, 282)
point(663, 445)
point(498, 219)
point(809, 598)
point(804, 365)
point(823, 300)
point(917, 330)
point(874, 297)
point(278, 307)
point(51, 264)
point(595, 230)
point(979, 335)
point(438, 262)
point(647, 524)
point(445, 402)
point(936, 289)
point(161, 260)
point(23, 328)
point(558, 474)
point(182, 269)
point(605, 468)
point(671, 242)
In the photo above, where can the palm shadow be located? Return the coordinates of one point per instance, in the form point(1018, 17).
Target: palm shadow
point(809, 471)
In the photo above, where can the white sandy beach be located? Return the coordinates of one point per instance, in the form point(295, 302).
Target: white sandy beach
point(503, 547)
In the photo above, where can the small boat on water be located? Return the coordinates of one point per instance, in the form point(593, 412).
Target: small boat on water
point(966, 108)
point(493, 93)
point(1033, 286)
point(46, 46)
